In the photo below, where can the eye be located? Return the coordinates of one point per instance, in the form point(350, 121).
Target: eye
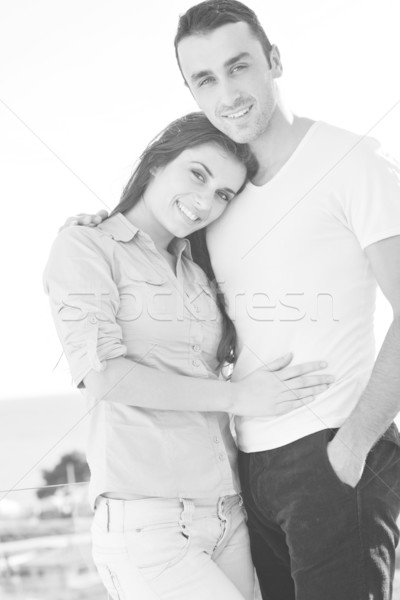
point(238, 68)
point(205, 81)
point(198, 175)
point(224, 196)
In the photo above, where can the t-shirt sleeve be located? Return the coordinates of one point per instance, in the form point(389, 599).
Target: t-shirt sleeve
point(372, 201)
point(84, 300)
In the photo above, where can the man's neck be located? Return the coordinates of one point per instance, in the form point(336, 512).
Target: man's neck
point(275, 146)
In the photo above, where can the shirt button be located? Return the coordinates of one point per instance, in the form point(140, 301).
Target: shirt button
point(216, 440)
point(221, 457)
point(93, 320)
point(196, 348)
point(196, 363)
point(196, 308)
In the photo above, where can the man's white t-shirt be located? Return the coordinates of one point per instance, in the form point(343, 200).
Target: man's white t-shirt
point(289, 257)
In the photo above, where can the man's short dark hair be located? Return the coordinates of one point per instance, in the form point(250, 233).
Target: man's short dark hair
point(212, 14)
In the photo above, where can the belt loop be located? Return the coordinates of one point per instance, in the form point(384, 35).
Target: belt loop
point(224, 525)
point(186, 517)
point(108, 514)
point(220, 510)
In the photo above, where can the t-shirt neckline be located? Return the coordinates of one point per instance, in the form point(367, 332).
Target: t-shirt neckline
point(303, 142)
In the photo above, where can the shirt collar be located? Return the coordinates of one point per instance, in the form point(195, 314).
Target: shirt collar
point(181, 246)
point(119, 228)
point(122, 230)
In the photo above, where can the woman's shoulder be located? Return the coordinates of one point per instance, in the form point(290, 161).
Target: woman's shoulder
point(80, 241)
point(81, 235)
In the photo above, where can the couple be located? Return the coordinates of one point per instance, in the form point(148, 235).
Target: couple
point(311, 222)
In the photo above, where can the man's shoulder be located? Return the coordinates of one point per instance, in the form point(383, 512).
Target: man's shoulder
point(348, 144)
point(359, 160)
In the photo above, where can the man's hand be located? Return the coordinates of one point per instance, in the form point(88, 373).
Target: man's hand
point(85, 219)
point(348, 464)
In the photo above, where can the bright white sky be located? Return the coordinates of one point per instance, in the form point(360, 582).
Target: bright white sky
point(95, 80)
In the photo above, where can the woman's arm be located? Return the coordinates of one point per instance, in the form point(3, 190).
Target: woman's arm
point(270, 391)
point(84, 299)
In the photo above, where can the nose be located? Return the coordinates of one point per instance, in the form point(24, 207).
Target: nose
point(229, 94)
point(202, 202)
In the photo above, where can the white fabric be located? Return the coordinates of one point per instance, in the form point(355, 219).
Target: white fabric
point(289, 257)
point(160, 548)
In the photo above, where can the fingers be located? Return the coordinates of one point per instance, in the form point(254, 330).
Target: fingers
point(293, 399)
point(85, 219)
point(290, 405)
point(302, 369)
point(93, 220)
point(69, 223)
point(89, 220)
point(299, 394)
point(307, 381)
point(279, 363)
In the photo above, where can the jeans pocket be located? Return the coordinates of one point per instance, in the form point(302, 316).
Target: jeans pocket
point(154, 549)
point(328, 436)
point(391, 435)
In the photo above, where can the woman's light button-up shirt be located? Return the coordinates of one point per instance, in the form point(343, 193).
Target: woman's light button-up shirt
point(112, 294)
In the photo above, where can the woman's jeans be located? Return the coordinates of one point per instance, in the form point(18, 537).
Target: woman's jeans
point(314, 537)
point(173, 549)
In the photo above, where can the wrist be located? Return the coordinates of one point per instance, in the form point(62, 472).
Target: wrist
point(356, 438)
point(233, 398)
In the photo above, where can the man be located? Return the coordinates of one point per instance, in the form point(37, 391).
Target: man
point(298, 255)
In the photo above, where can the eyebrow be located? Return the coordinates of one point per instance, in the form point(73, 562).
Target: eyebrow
point(236, 58)
point(228, 63)
point(197, 162)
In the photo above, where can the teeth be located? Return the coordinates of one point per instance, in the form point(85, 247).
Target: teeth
point(187, 212)
point(238, 114)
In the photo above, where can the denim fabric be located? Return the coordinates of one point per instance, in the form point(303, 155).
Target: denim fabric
point(170, 549)
point(314, 537)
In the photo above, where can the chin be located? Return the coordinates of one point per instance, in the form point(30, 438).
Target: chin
point(183, 233)
point(240, 135)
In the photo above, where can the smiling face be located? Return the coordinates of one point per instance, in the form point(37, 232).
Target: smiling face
point(190, 192)
point(229, 76)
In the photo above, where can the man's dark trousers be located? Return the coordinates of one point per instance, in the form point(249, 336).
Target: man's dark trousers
point(314, 537)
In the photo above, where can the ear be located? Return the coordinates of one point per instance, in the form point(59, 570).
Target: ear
point(275, 60)
point(153, 171)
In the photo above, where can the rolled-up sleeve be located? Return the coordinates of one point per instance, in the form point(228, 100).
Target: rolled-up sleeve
point(84, 299)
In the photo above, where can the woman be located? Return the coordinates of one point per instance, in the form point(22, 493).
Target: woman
point(146, 333)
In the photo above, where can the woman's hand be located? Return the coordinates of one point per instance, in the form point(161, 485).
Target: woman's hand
point(85, 219)
point(277, 388)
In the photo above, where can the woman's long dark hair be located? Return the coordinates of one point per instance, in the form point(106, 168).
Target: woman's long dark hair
point(190, 131)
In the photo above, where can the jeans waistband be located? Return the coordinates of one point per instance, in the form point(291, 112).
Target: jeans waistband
point(148, 512)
